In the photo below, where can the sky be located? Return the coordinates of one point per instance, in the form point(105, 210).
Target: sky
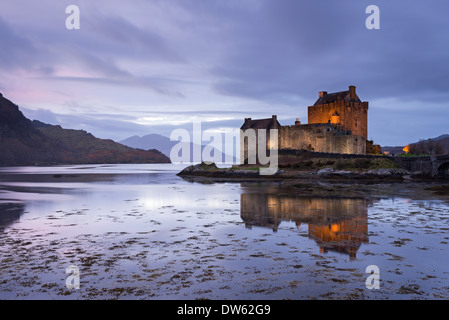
point(151, 66)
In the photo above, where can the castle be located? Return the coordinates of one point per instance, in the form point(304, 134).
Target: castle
point(338, 123)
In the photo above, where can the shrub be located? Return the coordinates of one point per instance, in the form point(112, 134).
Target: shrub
point(340, 165)
point(362, 163)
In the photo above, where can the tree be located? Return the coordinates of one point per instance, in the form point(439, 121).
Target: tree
point(428, 147)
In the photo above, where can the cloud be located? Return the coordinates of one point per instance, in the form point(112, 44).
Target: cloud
point(232, 59)
point(298, 48)
point(120, 37)
point(15, 49)
point(120, 126)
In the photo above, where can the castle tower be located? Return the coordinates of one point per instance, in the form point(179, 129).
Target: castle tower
point(343, 108)
point(254, 126)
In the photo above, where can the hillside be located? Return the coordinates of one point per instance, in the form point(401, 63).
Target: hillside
point(89, 149)
point(20, 141)
point(442, 140)
point(26, 142)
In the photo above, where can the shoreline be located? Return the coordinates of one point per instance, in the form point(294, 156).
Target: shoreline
point(242, 173)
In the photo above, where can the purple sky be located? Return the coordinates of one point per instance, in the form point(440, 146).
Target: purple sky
point(150, 66)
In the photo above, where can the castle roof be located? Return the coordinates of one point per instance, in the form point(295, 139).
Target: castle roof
point(269, 123)
point(348, 95)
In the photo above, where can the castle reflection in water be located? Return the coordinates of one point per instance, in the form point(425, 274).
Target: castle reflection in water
point(336, 224)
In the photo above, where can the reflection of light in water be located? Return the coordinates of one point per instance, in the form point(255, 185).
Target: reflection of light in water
point(28, 196)
point(97, 169)
point(336, 224)
point(155, 199)
point(56, 185)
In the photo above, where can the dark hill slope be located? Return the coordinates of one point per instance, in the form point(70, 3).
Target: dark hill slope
point(20, 142)
point(26, 142)
point(83, 147)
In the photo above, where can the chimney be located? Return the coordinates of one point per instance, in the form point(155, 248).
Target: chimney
point(297, 122)
point(352, 92)
point(275, 117)
point(322, 94)
point(247, 119)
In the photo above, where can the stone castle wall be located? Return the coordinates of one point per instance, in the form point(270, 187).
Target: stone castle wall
point(321, 138)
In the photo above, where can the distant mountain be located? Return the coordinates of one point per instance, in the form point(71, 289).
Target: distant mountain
point(159, 142)
point(150, 141)
point(26, 142)
point(442, 140)
point(442, 137)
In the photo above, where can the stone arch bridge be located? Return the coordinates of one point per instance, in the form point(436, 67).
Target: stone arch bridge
point(436, 166)
point(433, 166)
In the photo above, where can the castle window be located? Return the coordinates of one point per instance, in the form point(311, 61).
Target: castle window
point(356, 123)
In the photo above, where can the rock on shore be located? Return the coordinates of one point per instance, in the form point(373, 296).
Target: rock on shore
point(374, 173)
point(205, 169)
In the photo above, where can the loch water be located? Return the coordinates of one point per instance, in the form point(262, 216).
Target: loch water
point(142, 232)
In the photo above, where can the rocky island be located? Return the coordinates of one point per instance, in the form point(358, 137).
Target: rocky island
point(313, 165)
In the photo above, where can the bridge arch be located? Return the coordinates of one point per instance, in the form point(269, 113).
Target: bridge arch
point(443, 169)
